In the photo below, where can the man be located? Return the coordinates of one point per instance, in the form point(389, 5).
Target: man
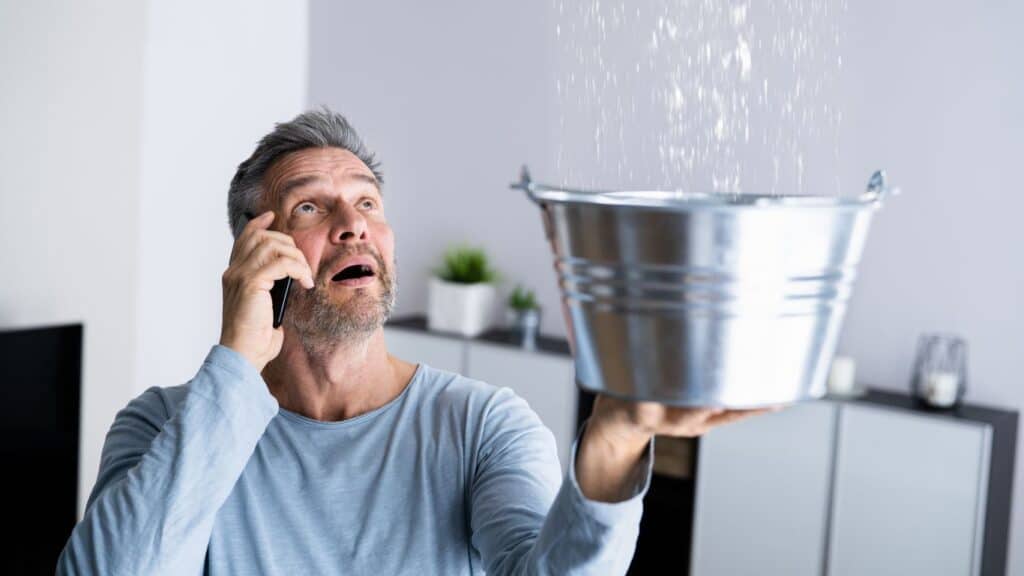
point(308, 449)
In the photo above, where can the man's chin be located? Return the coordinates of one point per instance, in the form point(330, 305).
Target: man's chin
point(346, 325)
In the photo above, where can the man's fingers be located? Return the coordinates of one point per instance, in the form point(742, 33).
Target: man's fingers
point(243, 243)
point(264, 237)
point(660, 419)
point(729, 416)
point(271, 251)
point(697, 421)
point(677, 414)
point(283, 266)
point(247, 246)
point(678, 421)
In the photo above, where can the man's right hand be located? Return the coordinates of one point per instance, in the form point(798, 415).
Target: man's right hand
point(259, 257)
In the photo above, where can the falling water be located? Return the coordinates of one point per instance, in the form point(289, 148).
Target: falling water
point(701, 95)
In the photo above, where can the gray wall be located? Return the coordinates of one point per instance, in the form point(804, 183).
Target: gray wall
point(456, 96)
point(932, 91)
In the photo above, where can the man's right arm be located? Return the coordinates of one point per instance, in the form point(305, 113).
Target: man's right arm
point(165, 471)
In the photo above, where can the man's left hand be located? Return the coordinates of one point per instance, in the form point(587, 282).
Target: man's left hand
point(618, 432)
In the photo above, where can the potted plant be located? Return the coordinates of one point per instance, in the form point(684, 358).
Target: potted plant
point(462, 293)
point(524, 316)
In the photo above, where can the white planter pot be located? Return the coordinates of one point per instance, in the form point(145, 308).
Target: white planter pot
point(464, 309)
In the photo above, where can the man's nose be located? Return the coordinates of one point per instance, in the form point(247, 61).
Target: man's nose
point(349, 224)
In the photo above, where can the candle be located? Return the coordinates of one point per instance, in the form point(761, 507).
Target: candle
point(940, 387)
point(840, 378)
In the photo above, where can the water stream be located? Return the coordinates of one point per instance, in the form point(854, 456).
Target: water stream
point(699, 95)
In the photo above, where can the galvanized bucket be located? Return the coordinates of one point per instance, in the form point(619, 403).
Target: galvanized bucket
point(704, 299)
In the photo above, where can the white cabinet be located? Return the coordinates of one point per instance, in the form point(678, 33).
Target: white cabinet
point(546, 381)
point(437, 351)
point(847, 488)
point(909, 494)
point(762, 494)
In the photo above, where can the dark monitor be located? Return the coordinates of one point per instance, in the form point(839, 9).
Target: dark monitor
point(40, 392)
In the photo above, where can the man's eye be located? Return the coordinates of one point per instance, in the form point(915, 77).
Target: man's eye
point(303, 205)
point(368, 204)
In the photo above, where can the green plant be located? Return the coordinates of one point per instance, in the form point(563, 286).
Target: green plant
point(466, 265)
point(522, 299)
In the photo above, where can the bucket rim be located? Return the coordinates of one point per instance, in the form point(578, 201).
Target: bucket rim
point(682, 200)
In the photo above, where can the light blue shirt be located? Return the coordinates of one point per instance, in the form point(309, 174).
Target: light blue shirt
point(453, 476)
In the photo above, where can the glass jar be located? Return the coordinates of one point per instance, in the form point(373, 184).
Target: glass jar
point(940, 370)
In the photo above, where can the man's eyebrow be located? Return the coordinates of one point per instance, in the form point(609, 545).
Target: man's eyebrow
point(291, 185)
point(295, 183)
point(367, 178)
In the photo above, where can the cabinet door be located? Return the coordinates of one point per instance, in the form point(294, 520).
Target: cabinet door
point(762, 494)
point(437, 351)
point(909, 494)
point(547, 382)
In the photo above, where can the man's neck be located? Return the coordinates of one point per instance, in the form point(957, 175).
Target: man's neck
point(351, 379)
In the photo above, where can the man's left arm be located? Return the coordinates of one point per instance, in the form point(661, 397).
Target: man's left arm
point(618, 435)
point(591, 526)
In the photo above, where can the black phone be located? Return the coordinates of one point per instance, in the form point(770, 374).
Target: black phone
point(279, 293)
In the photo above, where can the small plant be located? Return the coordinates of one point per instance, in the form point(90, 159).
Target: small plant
point(466, 265)
point(522, 299)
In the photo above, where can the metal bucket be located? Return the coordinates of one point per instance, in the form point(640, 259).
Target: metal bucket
point(704, 299)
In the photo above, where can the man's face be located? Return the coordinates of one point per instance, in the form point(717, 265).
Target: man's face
point(330, 203)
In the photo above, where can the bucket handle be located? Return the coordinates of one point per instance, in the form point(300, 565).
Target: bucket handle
point(878, 188)
point(540, 193)
point(525, 184)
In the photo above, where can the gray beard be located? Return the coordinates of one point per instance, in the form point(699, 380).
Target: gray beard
point(323, 325)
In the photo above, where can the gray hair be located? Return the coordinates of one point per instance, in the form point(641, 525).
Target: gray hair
point(320, 128)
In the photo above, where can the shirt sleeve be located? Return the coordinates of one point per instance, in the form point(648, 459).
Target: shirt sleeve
point(524, 523)
point(166, 470)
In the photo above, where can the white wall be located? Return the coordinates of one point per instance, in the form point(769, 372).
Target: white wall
point(69, 189)
point(217, 76)
point(932, 92)
point(123, 125)
point(455, 97)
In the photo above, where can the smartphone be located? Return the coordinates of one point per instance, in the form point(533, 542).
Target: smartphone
point(279, 293)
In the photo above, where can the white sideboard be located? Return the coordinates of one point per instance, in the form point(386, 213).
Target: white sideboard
point(876, 485)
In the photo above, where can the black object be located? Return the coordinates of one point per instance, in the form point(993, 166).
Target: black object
point(279, 293)
point(664, 543)
point(279, 297)
point(40, 390)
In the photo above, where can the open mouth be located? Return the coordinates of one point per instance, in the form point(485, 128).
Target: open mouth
point(354, 274)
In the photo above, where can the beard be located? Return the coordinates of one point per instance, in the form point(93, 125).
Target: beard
point(322, 322)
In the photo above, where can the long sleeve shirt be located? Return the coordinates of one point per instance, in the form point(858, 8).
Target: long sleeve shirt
point(452, 476)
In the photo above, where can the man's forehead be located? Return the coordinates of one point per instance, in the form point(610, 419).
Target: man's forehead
point(316, 167)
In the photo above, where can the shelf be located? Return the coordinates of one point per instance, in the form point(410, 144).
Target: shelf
point(502, 336)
